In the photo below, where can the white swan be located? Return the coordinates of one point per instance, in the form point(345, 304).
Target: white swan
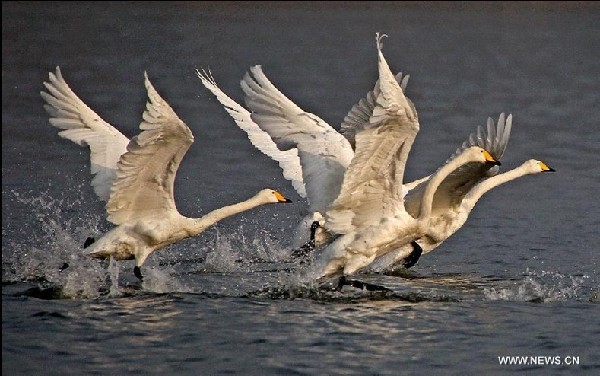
point(451, 191)
point(136, 177)
point(452, 207)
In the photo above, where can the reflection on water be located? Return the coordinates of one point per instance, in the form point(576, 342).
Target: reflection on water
point(148, 314)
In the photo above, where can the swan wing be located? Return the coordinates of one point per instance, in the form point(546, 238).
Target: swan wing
point(359, 115)
point(372, 187)
point(324, 153)
point(83, 126)
point(146, 172)
point(288, 159)
point(494, 138)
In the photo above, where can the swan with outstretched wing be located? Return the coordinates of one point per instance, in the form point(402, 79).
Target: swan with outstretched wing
point(458, 194)
point(140, 182)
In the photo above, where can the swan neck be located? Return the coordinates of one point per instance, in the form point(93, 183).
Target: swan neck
point(436, 180)
point(480, 189)
point(197, 225)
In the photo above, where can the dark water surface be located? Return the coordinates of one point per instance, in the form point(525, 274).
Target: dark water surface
point(520, 279)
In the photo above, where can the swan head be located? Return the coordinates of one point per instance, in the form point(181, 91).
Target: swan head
point(271, 195)
point(536, 166)
point(481, 155)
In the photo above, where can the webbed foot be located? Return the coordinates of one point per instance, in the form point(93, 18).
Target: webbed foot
point(138, 273)
point(343, 281)
point(89, 241)
point(414, 256)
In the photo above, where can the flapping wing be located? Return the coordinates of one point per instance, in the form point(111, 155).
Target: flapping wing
point(84, 127)
point(372, 187)
point(288, 159)
point(361, 112)
point(494, 138)
point(146, 172)
point(324, 153)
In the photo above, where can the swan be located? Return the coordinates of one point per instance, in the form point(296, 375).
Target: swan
point(451, 191)
point(136, 177)
point(452, 208)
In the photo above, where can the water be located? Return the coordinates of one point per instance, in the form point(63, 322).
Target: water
point(521, 278)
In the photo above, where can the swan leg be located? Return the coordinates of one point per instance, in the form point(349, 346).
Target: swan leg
point(309, 246)
point(304, 250)
point(138, 272)
point(414, 256)
point(343, 281)
point(89, 241)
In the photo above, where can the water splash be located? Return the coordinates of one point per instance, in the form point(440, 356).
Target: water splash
point(235, 252)
point(48, 251)
point(224, 255)
point(541, 286)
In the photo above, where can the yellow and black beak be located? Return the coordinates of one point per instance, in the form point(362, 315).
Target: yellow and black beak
point(489, 159)
point(546, 168)
point(281, 198)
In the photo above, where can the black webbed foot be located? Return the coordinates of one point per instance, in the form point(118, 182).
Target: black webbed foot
point(138, 273)
point(89, 241)
point(343, 281)
point(309, 246)
point(414, 256)
point(304, 250)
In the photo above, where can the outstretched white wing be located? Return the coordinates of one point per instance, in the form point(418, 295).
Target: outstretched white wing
point(83, 126)
point(288, 159)
point(324, 153)
point(372, 187)
point(146, 172)
point(359, 115)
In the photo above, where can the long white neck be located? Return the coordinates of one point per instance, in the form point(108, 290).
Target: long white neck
point(480, 189)
point(437, 179)
point(197, 225)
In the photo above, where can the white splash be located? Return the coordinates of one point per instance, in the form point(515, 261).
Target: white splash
point(541, 286)
point(55, 258)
